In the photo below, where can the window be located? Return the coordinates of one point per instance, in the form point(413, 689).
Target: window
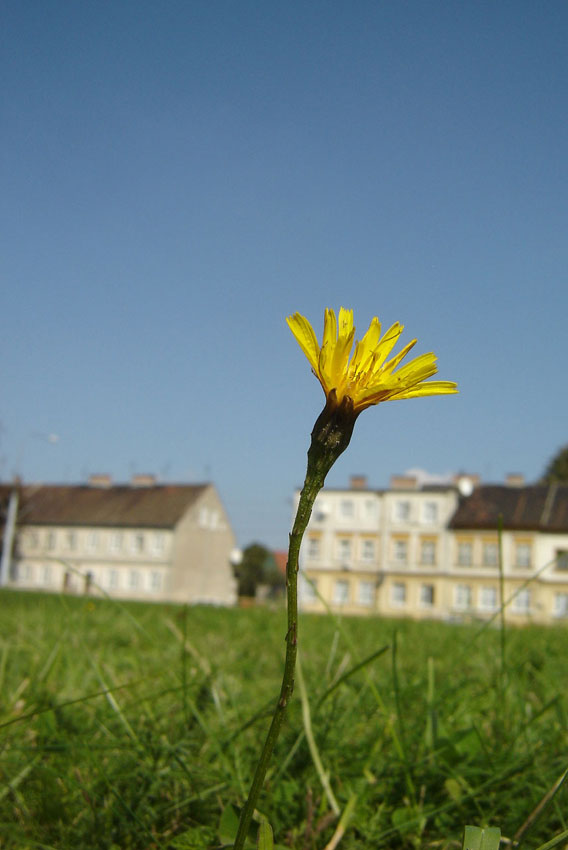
point(341, 592)
point(46, 574)
point(427, 595)
point(366, 593)
point(490, 555)
point(488, 599)
point(116, 540)
point(562, 559)
point(561, 604)
point(71, 541)
point(347, 509)
point(462, 596)
point(428, 552)
point(158, 543)
point(138, 542)
point(32, 539)
point(368, 550)
point(401, 551)
point(430, 512)
point(92, 541)
point(155, 581)
point(344, 548)
point(309, 589)
point(27, 572)
point(398, 593)
point(370, 508)
point(321, 510)
point(113, 579)
point(313, 551)
point(523, 555)
point(51, 540)
point(465, 554)
point(134, 579)
point(522, 601)
point(402, 511)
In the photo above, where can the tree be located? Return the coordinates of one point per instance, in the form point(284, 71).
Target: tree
point(257, 567)
point(557, 469)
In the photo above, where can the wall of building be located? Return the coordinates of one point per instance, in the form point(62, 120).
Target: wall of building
point(204, 540)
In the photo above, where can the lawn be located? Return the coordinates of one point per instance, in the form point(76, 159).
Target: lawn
point(138, 726)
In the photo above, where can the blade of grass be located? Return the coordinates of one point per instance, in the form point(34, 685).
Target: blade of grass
point(306, 716)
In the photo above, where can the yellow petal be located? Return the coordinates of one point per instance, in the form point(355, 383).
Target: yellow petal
point(394, 361)
point(365, 348)
point(306, 337)
point(387, 344)
point(429, 388)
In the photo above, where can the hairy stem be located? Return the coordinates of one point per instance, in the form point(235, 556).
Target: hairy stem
point(312, 486)
point(330, 437)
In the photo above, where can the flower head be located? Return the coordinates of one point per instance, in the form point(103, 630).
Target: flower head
point(368, 377)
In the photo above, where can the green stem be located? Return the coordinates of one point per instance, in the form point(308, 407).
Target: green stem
point(311, 488)
point(330, 437)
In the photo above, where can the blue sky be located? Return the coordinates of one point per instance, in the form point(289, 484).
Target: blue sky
point(179, 177)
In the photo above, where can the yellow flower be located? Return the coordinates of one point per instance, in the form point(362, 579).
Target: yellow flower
point(368, 378)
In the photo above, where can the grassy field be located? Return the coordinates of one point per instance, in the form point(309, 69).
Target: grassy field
point(138, 726)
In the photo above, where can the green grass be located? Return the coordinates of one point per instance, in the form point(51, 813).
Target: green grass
point(138, 726)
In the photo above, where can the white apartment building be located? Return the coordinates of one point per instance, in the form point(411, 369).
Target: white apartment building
point(139, 541)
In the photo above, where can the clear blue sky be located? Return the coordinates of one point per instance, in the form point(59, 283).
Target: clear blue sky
point(178, 177)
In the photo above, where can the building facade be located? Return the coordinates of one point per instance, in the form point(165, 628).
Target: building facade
point(139, 541)
point(432, 551)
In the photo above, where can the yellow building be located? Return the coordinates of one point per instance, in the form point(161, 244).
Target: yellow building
point(433, 550)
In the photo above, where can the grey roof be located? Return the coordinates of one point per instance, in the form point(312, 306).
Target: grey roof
point(156, 506)
point(534, 508)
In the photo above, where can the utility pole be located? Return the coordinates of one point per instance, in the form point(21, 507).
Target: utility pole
point(9, 531)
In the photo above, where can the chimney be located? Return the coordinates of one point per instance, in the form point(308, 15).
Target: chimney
point(143, 480)
point(515, 479)
point(100, 481)
point(358, 482)
point(403, 482)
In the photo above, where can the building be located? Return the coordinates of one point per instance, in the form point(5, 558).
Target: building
point(534, 544)
point(432, 550)
point(140, 541)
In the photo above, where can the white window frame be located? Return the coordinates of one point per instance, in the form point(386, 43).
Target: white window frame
point(138, 543)
point(402, 510)
point(463, 597)
point(490, 560)
point(309, 589)
point(366, 593)
point(344, 549)
point(428, 546)
point(116, 542)
point(430, 512)
point(525, 562)
point(341, 591)
point(313, 548)
point(400, 551)
point(486, 604)
point(521, 603)
point(561, 604)
point(398, 594)
point(368, 549)
point(465, 546)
